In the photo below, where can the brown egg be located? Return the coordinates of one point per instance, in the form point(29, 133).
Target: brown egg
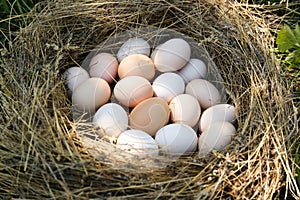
point(137, 65)
point(150, 115)
point(91, 94)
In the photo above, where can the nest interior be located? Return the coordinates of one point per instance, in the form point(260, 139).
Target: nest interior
point(41, 156)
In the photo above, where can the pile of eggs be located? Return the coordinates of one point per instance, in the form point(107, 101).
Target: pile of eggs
point(162, 101)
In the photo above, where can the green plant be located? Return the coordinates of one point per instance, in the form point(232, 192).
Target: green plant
point(15, 7)
point(12, 16)
point(288, 45)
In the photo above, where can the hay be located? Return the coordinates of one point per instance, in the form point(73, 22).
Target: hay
point(41, 156)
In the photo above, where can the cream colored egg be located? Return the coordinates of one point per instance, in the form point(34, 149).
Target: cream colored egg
point(137, 142)
point(185, 109)
point(194, 69)
point(105, 66)
point(91, 94)
point(176, 139)
point(219, 112)
point(74, 77)
point(150, 115)
point(133, 46)
point(132, 90)
point(137, 65)
point(216, 137)
point(168, 85)
point(206, 93)
point(112, 119)
point(172, 55)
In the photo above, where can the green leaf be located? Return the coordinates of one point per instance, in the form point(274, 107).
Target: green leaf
point(286, 39)
point(293, 57)
point(297, 33)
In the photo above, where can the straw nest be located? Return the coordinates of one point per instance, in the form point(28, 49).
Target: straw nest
point(41, 156)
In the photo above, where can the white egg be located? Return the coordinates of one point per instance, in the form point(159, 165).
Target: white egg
point(112, 119)
point(132, 90)
point(185, 109)
point(176, 139)
point(91, 94)
point(74, 77)
point(219, 112)
point(137, 142)
point(133, 46)
point(168, 85)
point(206, 93)
point(194, 69)
point(172, 55)
point(216, 137)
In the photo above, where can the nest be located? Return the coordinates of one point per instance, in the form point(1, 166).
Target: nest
point(41, 156)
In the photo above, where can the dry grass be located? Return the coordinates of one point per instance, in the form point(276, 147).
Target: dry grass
point(41, 156)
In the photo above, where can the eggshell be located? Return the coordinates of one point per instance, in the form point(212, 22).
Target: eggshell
point(176, 139)
point(168, 85)
point(150, 115)
point(105, 66)
point(74, 77)
point(216, 137)
point(132, 90)
point(154, 52)
point(133, 46)
point(137, 142)
point(91, 94)
point(185, 109)
point(172, 55)
point(137, 65)
point(219, 112)
point(112, 119)
point(206, 93)
point(194, 69)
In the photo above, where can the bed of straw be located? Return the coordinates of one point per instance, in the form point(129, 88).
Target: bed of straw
point(41, 156)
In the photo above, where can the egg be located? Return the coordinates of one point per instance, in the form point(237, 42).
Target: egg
point(152, 56)
point(216, 137)
point(172, 55)
point(137, 142)
point(105, 66)
point(112, 119)
point(176, 139)
point(133, 46)
point(132, 90)
point(194, 69)
point(219, 112)
point(168, 85)
point(74, 77)
point(150, 115)
point(206, 93)
point(137, 65)
point(91, 94)
point(185, 109)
